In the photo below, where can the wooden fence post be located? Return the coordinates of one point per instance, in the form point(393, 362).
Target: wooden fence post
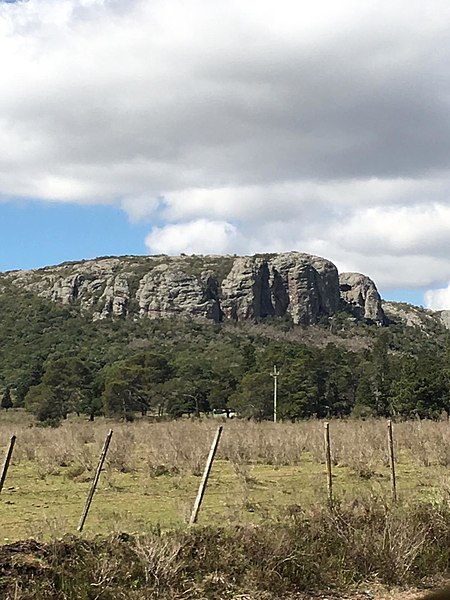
point(392, 460)
point(6, 462)
point(328, 461)
point(95, 480)
point(204, 481)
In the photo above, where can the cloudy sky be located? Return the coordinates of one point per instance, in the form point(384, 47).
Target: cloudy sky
point(200, 126)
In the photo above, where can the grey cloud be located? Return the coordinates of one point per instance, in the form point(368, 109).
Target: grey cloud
point(280, 122)
point(247, 112)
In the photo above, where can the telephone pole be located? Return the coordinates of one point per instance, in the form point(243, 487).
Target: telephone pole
point(275, 374)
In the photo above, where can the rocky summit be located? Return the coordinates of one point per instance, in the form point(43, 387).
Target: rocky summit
point(294, 285)
point(360, 293)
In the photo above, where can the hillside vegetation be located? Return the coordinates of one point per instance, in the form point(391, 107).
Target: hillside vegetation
point(54, 359)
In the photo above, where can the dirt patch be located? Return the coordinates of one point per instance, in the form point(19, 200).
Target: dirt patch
point(27, 557)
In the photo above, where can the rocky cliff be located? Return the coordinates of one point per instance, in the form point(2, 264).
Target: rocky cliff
point(361, 295)
point(299, 286)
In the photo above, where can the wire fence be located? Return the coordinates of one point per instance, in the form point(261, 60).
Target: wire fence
point(33, 504)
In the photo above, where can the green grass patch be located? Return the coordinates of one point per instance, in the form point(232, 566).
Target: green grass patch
point(47, 502)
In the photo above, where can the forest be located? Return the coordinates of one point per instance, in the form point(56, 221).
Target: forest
point(55, 361)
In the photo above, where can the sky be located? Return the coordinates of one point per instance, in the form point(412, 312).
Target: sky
point(199, 126)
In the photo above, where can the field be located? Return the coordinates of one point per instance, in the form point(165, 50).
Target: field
point(266, 529)
point(263, 472)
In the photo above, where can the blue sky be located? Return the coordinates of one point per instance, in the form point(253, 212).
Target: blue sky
point(239, 127)
point(34, 235)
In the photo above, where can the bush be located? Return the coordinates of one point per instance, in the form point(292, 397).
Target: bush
point(328, 548)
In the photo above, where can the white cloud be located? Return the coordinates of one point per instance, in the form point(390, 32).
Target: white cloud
point(195, 237)
point(140, 208)
point(438, 299)
point(399, 230)
point(240, 126)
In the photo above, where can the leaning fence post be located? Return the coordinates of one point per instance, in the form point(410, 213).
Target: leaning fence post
point(95, 480)
point(6, 462)
point(392, 460)
point(204, 481)
point(328, 461)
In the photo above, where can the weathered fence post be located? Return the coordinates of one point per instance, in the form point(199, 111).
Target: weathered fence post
point(328, 460)
point(204, 481)
point(392, 460)
point(6, 462)
point(95, 480)
point(275, 375)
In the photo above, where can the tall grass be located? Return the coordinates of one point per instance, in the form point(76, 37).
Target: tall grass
point(298, 548)
point(316, 550)
point(182, 445)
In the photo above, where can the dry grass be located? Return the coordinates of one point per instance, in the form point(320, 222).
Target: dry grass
point(182, 445)
point(263, 470)
point(321, 550)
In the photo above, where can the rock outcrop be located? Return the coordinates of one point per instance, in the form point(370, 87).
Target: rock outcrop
point(427, 321)
point(445, 318)
point(169, 292)
point(300, 286)
point(361, 296)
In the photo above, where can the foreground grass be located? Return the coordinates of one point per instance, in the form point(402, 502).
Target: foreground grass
point(264, 473)
point(50, 505)
point(333, 548)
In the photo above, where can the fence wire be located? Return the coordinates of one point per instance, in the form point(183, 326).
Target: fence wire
point(250, 489)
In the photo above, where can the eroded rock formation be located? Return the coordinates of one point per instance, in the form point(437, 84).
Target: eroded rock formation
point(300, 286)
point(361, 295)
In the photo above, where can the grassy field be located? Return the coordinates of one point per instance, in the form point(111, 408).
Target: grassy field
point(263, 473)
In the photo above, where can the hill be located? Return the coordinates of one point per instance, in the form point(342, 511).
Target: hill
point(171, 335)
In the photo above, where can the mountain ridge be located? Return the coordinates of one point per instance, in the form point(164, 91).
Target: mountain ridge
point(299, 286)
point(296, 285)
point(160, 331)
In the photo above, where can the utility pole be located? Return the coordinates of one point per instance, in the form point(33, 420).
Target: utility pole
point(275, 374)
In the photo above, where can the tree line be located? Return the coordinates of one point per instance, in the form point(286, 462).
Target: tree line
point(313, 382)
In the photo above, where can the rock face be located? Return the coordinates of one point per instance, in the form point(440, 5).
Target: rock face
point(300, 286)
point(445, 318)
point(168, 292)
point(361, 295)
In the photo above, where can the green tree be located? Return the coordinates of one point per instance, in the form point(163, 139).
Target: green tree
point(31, 375)
point(116, 399)
point(71, 380)
point(298, 396)
point(195, 374)
point(336, 381)
point(364, 398)
point(180, 402)
point(66, 386)
point(135, 384)
point(42, 401)
point(420, 390)
point(382, 374)
point(254, 396)
point(6, 402)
